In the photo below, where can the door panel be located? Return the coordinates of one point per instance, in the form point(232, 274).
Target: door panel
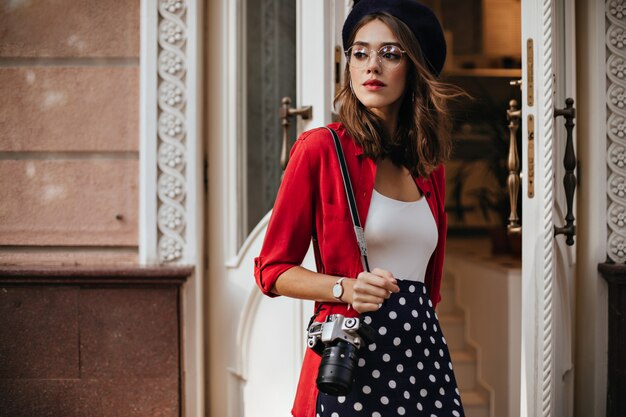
point(271, 333)
point(257, 343)
point(270, 339)
point(547, 268)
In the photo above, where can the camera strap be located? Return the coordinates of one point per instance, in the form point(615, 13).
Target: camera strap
point(347, 185)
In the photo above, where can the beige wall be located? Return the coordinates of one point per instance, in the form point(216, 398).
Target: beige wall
point(69, 131)
point(591, 324)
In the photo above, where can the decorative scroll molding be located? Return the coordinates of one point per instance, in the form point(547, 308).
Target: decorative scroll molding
point(172, 135)
point(547, 110)
point(616, 129)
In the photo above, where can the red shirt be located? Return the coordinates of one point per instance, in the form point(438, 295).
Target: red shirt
point(312, 201)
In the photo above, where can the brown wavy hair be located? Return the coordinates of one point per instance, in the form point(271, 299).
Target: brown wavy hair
point(422, 139)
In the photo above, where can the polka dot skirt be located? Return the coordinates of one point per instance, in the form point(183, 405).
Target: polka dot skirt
point(407, 370)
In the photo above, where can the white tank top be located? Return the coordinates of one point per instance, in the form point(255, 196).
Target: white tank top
point(401, 236)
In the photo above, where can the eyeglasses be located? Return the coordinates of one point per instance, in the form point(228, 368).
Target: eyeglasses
point(389, 56)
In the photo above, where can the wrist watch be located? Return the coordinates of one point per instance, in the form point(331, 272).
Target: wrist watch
point(338, 289)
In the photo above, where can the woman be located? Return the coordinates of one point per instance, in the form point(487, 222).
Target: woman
point(394, 134)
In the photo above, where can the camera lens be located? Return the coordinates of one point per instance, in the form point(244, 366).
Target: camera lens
point(336, 370)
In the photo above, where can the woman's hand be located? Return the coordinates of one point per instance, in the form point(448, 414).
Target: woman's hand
point(371, 289)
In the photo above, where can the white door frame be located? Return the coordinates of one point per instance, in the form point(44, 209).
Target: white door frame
point(537, 275)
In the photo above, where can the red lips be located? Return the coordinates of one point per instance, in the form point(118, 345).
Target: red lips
point(374, 83)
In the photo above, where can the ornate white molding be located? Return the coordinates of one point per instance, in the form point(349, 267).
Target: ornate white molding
point(172, 132)
point(170, 156)
point(616, 129)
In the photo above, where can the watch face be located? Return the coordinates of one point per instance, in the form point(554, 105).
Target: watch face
point(337, 290)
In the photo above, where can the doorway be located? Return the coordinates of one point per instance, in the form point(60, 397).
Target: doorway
point(481, 296)
point(247, 350)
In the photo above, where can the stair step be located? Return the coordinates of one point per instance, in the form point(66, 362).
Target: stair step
point(452, 320)
point(453, 328)
point(447, 303)
point(447, 290)
point(475, 404)
point(462, 356)
point(464, 364)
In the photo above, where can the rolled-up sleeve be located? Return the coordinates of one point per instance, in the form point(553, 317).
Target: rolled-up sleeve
point(289, 231)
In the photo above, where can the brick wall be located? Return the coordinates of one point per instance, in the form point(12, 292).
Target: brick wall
point(69, 131)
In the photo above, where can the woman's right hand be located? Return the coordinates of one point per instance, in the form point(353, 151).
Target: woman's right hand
point(371, 289)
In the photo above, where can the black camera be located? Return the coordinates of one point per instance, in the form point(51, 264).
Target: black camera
point(337, 341)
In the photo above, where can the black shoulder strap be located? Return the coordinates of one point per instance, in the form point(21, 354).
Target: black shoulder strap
point(347, 185)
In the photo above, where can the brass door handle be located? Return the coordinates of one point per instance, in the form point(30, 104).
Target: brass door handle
point(569, 162)
point(285, 112)
point(513, 115)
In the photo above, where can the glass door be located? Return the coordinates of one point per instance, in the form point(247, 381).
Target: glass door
point(269, 57)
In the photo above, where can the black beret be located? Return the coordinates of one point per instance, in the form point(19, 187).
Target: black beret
point(419, 18)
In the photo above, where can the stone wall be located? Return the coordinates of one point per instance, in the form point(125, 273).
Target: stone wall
point(84, 330)
point(90, 342)
point(69, 131)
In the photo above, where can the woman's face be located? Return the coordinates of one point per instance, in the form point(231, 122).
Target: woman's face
point(378, 87)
